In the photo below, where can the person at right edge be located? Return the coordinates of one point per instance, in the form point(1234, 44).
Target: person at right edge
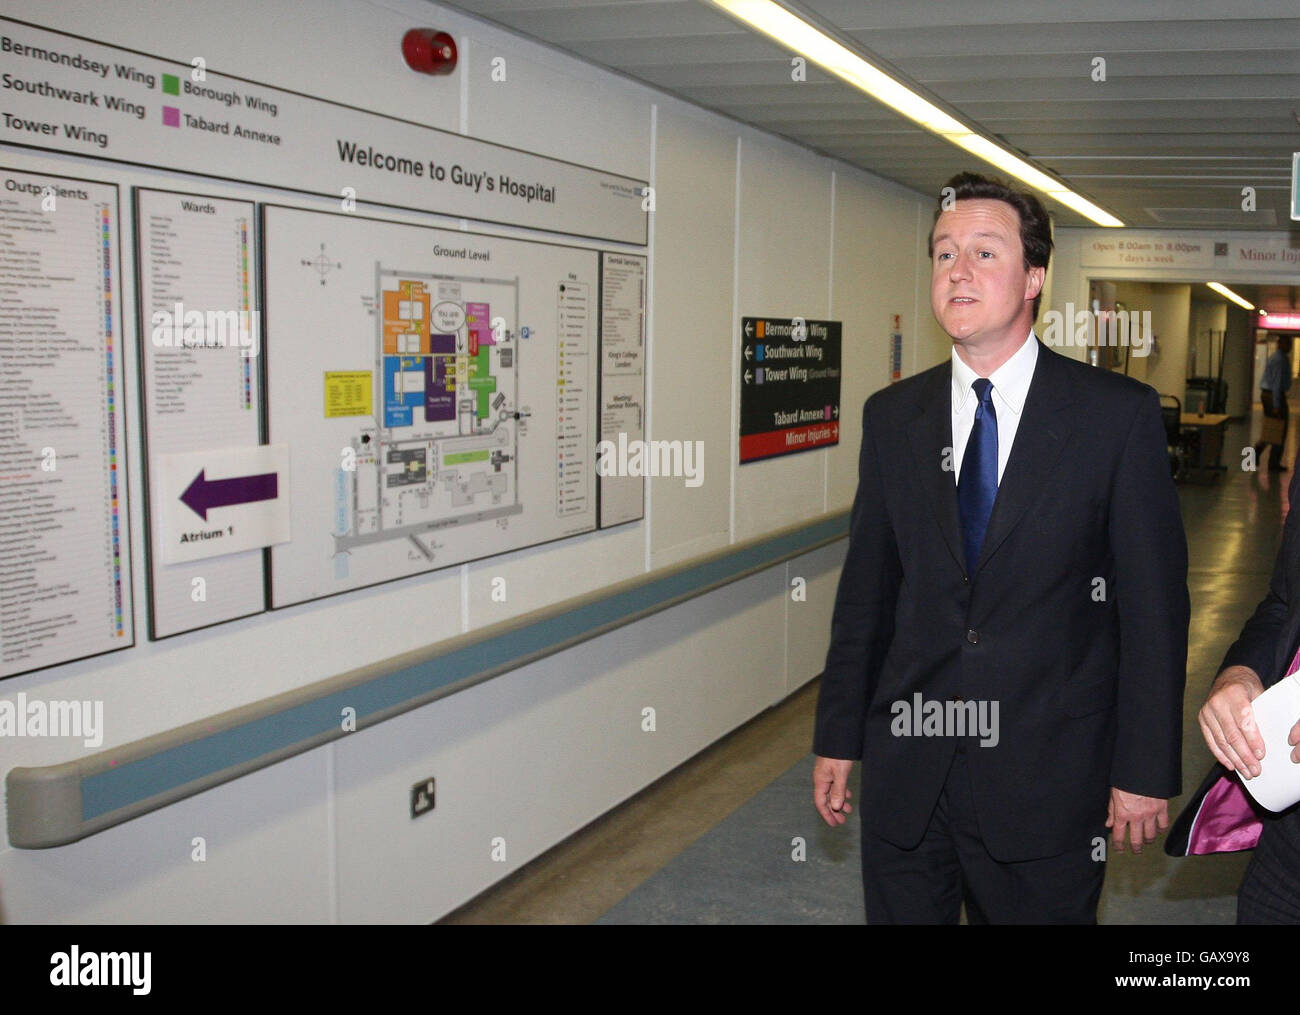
point(1264, 653)
point(1273, 387)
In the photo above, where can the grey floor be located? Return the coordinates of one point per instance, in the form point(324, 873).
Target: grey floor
point(731, 836)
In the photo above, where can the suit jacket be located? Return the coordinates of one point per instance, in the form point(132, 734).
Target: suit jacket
point(1088, 675)
point(1272, 634)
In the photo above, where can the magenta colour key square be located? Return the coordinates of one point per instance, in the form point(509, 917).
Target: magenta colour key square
point(171, 116)
point(828, 413)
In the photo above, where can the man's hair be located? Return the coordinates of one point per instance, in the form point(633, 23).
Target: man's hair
point(1284, 344)
point(1035, 226)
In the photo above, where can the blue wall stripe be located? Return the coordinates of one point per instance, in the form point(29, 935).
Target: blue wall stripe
point(138, 780)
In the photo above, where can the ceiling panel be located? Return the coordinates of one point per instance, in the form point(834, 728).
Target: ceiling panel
point(1200, 98)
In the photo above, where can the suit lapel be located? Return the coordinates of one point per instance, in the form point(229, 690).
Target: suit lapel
point(1287, 643)
point(1286, 648)
point(1040, 438)
point(931, 438)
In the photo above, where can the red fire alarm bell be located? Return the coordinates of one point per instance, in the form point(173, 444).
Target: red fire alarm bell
point(429, 51)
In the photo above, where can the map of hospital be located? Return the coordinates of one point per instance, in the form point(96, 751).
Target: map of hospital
point(442, 448)
point(437, 392)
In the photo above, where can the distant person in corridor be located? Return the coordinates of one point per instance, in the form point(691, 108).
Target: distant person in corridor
point(1015, 550)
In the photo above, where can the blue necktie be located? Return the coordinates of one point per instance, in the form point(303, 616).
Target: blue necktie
point(977, 485)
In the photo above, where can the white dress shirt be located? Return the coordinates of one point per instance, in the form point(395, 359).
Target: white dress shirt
point(1010, 388)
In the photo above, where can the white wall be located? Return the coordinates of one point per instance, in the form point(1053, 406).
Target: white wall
point(1171, 323)
point(745, 223)
point(1137, 296)
point(1165, 367)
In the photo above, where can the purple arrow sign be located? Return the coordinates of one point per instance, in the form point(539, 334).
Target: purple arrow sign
point(204, 493)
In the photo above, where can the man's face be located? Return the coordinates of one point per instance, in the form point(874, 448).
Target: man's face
point(980, 290)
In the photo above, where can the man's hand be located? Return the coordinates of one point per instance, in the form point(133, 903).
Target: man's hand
point(1140, 816)
point(1228, 722)
point(831, 789)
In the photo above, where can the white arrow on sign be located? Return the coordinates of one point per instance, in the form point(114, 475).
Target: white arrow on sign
point(749, 329)
point(747, 376)
point(748, 353)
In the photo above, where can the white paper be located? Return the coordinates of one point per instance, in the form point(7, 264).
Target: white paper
point(1277, 786)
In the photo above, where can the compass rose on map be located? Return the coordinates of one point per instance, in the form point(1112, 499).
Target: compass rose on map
point(321, 264)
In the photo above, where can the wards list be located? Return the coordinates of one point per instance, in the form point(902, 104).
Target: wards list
point(65, 581)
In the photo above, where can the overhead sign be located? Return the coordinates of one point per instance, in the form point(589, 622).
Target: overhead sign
point(1279, 322)
point(67, 93)
point(223, 501)
point(1130, 248)
point(1262, 251)
point(789, 386)
point(1185, 250)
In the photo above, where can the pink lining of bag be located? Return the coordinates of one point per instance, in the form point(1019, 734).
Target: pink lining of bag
point(1225, 822)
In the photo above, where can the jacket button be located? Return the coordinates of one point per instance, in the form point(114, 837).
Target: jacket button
point(973, 637)
point(965, 579)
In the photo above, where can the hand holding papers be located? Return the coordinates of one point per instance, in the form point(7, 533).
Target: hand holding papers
point(1277, 786)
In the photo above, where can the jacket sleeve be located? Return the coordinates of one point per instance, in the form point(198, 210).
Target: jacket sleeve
point(1151, 602)
point(1256, 646)
point(862, 625)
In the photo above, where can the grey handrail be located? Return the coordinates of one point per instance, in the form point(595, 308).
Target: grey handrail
point(54, 805)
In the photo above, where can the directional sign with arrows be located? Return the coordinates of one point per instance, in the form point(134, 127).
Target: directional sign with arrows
point(222, 501)
point(789, 386)
point(206, 493)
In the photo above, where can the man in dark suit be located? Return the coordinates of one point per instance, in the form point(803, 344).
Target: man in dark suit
point(1267, 649)
point(1016, 565)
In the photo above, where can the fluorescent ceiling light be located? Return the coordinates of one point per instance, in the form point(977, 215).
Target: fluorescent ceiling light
point(789, 30)
point(1223, 290)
